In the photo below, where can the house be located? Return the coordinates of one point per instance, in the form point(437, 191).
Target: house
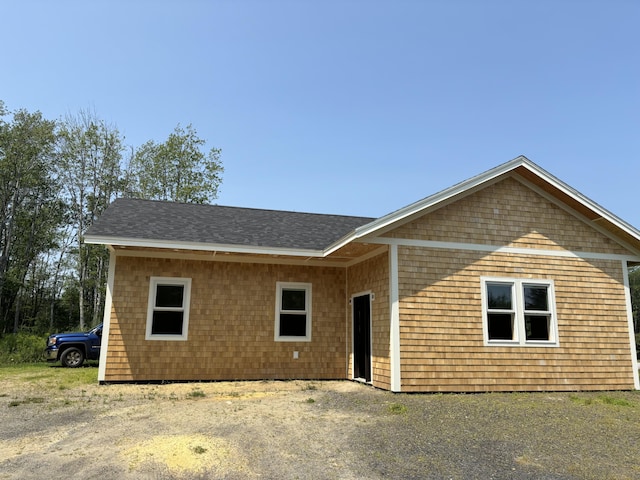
point(509, 281)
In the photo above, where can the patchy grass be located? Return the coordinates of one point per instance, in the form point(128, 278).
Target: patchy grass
point(602, 399)
point(586, 435)
point(51, 376)
point(199, 450)
point(397, 408)
point(43, 383)
point(26, 401)
point(196, 393)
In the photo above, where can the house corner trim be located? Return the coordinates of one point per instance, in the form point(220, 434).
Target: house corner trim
point(632, 338)
point(102, 366)
point(394, 298)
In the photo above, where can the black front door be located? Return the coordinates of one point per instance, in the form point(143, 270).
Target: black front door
point(362, 337)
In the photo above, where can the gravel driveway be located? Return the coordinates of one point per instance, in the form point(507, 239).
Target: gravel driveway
point(309, 430)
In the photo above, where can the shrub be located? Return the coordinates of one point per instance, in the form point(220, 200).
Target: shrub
point(21, 348)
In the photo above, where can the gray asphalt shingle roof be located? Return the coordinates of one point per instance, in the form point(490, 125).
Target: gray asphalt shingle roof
point(212, 224)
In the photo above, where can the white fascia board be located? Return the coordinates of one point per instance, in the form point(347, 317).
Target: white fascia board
point(587, 221)
point(417, 207)
point(350, 237)
point(476, 247)
point(207, 247)
point(577, 196)
point(439, 197)
point(468, 186)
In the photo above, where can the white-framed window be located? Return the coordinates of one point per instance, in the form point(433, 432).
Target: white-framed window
point(293, 312)
point(168, 308)
point(519, 312)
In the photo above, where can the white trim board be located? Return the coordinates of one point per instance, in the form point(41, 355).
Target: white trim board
point(106, 321)
point(590, 223)
point(352, 359)
point(477, 247)
point(394, 301)
point(206, 247)
point(381, 225)
point(468, 187)
point(632, 337)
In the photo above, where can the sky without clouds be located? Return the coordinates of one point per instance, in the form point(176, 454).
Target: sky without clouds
point(349, 107)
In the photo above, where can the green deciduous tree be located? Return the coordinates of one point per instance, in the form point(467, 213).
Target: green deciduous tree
point(31, 212)
point(90, 152)
point(56, 179)
point(176, 170)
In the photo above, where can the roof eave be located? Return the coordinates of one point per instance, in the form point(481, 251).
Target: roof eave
point(381, 224)
point(197, 246)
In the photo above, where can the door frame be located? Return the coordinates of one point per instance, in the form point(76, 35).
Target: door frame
point(368, 359)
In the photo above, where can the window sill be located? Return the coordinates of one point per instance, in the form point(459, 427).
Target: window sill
point(170, 338)
point(530, 343)
point(292, 339)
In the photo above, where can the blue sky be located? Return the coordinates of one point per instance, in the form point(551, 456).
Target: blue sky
point(351, 107)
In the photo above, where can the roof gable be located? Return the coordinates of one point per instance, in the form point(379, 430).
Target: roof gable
point(507, 213)
point(527, 172)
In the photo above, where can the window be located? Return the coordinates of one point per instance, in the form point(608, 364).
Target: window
point(293, 312)
point(519, 312)
point(168, 309)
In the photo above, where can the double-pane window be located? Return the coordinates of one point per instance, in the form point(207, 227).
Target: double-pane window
point(519, 312)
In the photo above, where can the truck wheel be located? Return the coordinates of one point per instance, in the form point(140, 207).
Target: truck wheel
point(72, 357)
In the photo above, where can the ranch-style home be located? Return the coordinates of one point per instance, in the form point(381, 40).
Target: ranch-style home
point(508, 281)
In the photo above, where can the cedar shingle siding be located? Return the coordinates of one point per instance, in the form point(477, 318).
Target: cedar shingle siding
point(231, 325)
point(441, 313)
point(513, 222)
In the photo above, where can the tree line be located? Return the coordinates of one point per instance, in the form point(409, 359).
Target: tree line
point(56, 178)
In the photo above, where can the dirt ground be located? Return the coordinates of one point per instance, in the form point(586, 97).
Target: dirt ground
point(54, 427)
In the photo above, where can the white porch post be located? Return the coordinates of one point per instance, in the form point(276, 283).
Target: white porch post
point(632, 337)
point(394, 298)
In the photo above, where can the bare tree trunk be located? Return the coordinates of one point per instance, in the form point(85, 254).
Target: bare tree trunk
point(51, 312)
point(97, 292)
point(16, 315)
point(81, 289)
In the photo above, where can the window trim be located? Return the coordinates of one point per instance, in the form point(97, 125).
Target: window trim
point(280, 286)
point(518, 307)
point(154, 282)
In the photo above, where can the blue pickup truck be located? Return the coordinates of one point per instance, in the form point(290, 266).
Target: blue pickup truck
point(72, 349)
